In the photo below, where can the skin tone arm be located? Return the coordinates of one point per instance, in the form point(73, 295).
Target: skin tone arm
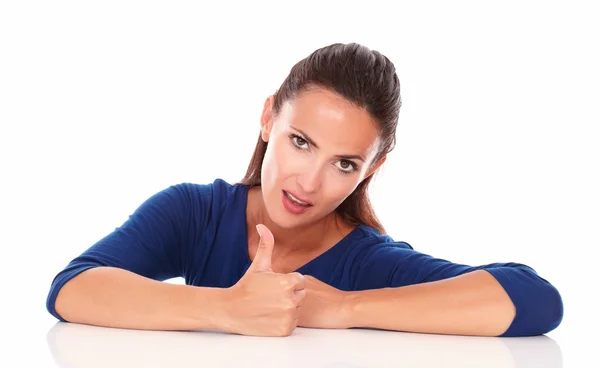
point(261, 303)
point(113, 297)
point(469, 304)
point(274, 304)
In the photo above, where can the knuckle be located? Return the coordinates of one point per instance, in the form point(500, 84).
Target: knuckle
point(285, 330)
point(288, 329)
point(301, 294)
point(285, 282)
point(289, 306)
point(298, 277)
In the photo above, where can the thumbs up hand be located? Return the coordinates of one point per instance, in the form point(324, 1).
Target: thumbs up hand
point(262, 302)
point(264, 252)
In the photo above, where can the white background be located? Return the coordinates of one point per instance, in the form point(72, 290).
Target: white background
point(102, 104)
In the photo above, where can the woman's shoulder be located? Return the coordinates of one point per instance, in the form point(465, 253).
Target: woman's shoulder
point(368, 237)
point(193, 198)
point(202, 203)
point(365, 242)
point(219, 189)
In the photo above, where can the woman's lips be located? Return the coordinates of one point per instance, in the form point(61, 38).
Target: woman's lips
point(292, 206)
point(298, 198)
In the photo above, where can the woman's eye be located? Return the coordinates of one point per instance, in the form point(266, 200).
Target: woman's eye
point(298, 141)
point(347, 167)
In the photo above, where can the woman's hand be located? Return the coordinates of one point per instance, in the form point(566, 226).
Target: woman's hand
point(264, 303)
point(324, 306)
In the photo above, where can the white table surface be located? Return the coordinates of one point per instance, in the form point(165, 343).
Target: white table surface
point(75, 346)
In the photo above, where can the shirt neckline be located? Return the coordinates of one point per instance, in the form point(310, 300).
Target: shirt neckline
point(243, 193)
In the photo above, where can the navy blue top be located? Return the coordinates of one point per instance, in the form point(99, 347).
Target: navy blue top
point(198, 232)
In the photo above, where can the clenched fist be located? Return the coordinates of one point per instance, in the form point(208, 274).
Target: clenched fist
point(262, 302)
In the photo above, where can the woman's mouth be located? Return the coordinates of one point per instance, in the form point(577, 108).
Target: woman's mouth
point(293, 204)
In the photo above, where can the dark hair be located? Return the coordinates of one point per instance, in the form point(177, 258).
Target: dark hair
point(364, 77)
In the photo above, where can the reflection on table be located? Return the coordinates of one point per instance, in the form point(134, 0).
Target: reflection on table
point(76, 345)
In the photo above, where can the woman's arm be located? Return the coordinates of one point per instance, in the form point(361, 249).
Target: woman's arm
point(421, 293)
point(128, 263)
point(113, 297)
point(117, 282)
point(469, 304)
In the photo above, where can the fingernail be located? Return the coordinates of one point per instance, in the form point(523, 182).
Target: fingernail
point(258, 230)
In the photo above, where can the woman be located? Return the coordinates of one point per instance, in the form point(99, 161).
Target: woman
point(296, 242)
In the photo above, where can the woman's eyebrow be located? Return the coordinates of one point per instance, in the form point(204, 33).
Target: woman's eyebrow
point(343, 157)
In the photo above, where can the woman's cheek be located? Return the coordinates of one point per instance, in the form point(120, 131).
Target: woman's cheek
point(341, 188)
point(293, 162)
point(269, 172)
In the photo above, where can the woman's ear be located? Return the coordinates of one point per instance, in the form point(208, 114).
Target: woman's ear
point(266, 119)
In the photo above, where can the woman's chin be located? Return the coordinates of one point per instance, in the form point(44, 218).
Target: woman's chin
point(286, 220)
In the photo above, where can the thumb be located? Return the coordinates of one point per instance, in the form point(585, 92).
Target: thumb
point(262, 259)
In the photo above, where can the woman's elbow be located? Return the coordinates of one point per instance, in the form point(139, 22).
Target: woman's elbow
point(539, 305)
point(551, 311)
point(542, 314)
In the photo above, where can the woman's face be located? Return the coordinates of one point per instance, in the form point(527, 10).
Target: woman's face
point(320, 149)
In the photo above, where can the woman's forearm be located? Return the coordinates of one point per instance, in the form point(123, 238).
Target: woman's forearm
point(469, 304)
point(113, 297)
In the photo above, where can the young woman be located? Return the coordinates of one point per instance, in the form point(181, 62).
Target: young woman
point(296, 242)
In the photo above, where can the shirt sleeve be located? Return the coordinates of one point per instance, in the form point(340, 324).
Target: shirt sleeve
point(149, 243)
point(539, 307)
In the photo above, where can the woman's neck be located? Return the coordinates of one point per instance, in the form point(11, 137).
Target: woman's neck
point(306, 238)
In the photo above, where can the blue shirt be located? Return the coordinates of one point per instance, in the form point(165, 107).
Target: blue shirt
point(198, 232)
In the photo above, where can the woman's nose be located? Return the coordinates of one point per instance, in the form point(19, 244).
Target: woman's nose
point(310, 180)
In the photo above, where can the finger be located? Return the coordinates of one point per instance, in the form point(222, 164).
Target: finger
point(264, 252)
point(297, 279)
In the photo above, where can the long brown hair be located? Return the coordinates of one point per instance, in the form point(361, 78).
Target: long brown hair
point(365, 78)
